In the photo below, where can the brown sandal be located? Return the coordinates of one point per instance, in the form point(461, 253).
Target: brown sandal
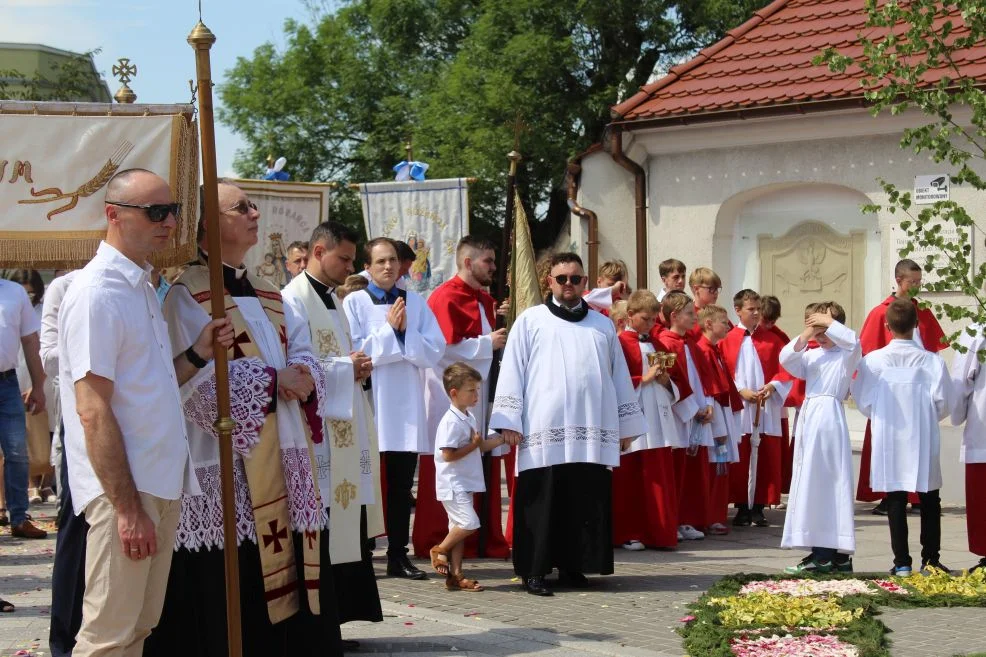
point(460, 583)
point(439, 560)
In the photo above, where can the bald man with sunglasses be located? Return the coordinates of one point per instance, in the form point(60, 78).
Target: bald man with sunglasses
point(125, 440)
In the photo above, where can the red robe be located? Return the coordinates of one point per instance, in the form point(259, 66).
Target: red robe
point(645, 497)
point(794, 399)
point(694, 472)
point(769, 462)
point(875, 335)
point(454, 304)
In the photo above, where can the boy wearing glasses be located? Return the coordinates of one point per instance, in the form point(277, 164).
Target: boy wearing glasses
point(564, 396)
point(705, 285)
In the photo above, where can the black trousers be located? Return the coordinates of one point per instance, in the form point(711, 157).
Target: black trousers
point(400, 477)
point(68, 575)
point(930, 526)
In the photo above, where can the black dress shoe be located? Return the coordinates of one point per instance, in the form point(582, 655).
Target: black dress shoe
point(743, 519)
point(760, 520)
point(536, 586)
point(572, 579)
point(350, 645)
point(880, 509)
point(402, 567)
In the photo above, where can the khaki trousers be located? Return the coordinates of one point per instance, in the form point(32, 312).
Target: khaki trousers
point(123, 597)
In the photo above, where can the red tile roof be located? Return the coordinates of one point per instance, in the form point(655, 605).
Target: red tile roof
point(766, 64)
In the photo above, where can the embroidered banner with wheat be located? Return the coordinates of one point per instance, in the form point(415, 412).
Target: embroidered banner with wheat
point(55, 161)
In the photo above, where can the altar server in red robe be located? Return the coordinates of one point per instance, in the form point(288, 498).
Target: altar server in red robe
point(715, 325)
point(969, 388)
point(705, 285)
point(465, 313)
point(875, 335)
point(752, 356)
point(611, 286)
point(770, 312)
point(645, 500)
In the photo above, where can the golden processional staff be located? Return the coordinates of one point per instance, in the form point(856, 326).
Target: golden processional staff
point(201, 39)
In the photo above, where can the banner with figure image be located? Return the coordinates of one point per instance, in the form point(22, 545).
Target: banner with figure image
point(55, 161)
point(289, 212)
point(431, 216)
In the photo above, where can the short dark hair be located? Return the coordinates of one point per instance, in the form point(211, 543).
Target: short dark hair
point(564, 258)
point(669, 266)
point(474, 243)
point(902, 316)
point(200, 233)
point(905, 266)
point(457, 374)
point(770, 308)
point(298, 244)
point(377, 241)
point(332, 233)
point(404, 251)
point(743, 296)
point(673, 302)
point(29, 277)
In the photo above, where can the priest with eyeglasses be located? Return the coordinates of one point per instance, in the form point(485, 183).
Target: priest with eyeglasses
point(565, 398)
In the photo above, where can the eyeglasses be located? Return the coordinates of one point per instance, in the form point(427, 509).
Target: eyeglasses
point(563, 279)
point(711, 288)
point(242, 207)
point(156, 212)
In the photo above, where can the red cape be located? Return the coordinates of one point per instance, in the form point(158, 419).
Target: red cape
point(768, 347)
point(630, 342)
point(875, 334)
point(711, 385)
point(454, 305)
point(730, 398)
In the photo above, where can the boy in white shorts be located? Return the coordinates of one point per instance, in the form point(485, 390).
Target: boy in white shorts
point(459, 472)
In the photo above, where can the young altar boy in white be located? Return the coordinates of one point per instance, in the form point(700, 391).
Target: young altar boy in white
point(905, 391)
point(820, 506)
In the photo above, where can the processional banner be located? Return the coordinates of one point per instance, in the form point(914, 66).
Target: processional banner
point(431, 216)
point(289, 212)
point(55, 161)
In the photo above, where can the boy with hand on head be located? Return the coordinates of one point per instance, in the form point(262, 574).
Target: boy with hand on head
point(459, 472)
point(645, 498)
point(713, 321)
point(611, 286)
point(822, 470)
point(751, 354)
point(692, 464)
point(905, 391)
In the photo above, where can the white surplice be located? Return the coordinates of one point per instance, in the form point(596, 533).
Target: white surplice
point(657, 404)
point(398, 387)
point(905, 391)
point(565, 387)
point(749, 375)
point(186, 319)
point(969, 389)
point(820, 506)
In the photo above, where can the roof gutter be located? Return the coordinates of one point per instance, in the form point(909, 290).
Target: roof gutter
point(572, 174)
point(639, 199)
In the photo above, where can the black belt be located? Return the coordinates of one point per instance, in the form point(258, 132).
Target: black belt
point(9, 374)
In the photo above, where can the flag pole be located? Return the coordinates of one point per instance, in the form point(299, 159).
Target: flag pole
point(201, 39)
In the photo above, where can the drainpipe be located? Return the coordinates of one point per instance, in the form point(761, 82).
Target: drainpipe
point(572, 175)
point(640, 201)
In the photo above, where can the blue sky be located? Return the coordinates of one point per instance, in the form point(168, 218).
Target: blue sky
point(152, 34)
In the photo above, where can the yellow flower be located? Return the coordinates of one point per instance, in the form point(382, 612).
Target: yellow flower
point(767, 609)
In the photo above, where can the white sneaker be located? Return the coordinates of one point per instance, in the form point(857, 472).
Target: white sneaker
point(633, 545)
point(689, 533)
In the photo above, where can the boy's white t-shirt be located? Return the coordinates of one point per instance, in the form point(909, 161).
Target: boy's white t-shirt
point(462, 476)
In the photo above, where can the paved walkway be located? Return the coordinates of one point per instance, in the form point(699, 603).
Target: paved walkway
point(632, 613)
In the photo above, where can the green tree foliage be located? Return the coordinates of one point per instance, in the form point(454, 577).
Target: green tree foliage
point(453, 75)
point(912, 57)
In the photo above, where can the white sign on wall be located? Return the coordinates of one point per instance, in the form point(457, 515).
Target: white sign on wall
point(930, 189)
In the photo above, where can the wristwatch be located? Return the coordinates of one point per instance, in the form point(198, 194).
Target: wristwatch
point(197, 361)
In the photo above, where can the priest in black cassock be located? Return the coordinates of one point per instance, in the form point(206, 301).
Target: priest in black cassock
point(354, 504)
point(565, 398)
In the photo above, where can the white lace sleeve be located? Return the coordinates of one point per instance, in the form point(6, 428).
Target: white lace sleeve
point(251, 391)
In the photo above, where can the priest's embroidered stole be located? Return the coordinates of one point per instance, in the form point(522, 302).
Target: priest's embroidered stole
point(264, 471)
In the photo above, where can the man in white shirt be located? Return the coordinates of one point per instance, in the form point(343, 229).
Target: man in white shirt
point(124, 435)
point(18, 328)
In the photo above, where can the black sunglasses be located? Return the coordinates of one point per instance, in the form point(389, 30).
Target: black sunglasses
point(242, 207)
point(563, 279)
point(156, 212)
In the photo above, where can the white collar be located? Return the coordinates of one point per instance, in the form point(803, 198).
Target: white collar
point(131, 271)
